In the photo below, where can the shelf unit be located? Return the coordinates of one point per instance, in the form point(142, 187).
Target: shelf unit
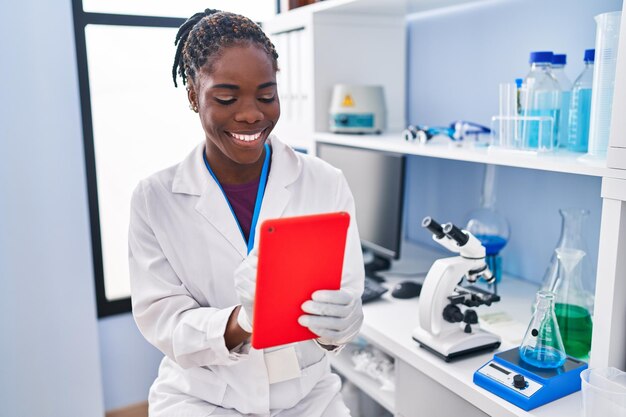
point(560, 161)
point(342, 363)
point(335, 32)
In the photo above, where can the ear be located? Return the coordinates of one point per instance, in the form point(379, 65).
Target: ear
point(192, 96)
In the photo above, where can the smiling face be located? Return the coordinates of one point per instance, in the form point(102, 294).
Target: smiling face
point(237, 101)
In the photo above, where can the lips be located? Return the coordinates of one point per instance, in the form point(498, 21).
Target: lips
point(248, 136)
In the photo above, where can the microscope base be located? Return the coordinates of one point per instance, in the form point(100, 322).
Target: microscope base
point(458, 344)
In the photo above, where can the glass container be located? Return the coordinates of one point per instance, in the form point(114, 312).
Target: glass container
point(542, 346)
point(572, 311)
point(488, 225)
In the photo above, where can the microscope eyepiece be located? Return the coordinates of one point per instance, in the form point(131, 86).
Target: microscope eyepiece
point(434, 227)
point(455, 233)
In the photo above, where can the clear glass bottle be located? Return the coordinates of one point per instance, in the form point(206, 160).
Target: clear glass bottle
point(488, 225)
point(558, 70)
point(542, 346)
point(540, 97)
point(580, 107)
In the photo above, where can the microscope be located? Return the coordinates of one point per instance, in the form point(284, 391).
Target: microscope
point(444, 328)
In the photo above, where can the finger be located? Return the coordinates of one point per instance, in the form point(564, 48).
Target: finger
point(330, 323)
point(332, 296)
point(326, 309)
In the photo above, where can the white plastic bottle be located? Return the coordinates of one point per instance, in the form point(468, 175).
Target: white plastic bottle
point(540, 99)
point(558, 70)
point(580, 107)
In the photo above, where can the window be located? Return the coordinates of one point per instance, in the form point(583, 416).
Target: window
point(134, 121)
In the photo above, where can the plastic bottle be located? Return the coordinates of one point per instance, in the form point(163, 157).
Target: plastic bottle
point(540, 97)
point(580, 106)
point(558, 70)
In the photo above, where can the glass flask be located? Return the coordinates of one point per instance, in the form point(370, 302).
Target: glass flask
point(571, 308)
point(542, 346)
point(488, 225)
point(572, 237)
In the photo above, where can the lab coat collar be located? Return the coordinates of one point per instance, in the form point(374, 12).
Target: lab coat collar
point(193, 178)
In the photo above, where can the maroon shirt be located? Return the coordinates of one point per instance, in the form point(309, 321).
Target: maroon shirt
point(242, 198)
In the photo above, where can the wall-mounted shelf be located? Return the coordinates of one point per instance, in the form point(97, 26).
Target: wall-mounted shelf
point(560, 161)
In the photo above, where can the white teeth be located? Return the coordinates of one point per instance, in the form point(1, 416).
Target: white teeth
point(246, 138)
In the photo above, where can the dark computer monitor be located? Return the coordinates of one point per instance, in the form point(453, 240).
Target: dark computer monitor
point(376, 179)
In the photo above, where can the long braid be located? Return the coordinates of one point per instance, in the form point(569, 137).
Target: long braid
point(204, 34)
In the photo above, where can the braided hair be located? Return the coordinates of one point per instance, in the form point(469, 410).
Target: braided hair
point(205, 34)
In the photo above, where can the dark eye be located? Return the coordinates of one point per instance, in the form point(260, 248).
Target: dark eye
point(267, 99)
point(225, 102)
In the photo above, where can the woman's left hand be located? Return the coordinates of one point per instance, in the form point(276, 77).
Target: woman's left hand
point(334, 315)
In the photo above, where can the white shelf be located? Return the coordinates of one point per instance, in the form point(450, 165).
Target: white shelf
point(378, 7)
point(342, 363)
point(560, 161)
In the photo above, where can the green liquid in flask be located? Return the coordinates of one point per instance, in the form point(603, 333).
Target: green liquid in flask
point(575, 327)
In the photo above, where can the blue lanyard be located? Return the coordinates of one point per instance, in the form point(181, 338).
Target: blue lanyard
point(259, 195)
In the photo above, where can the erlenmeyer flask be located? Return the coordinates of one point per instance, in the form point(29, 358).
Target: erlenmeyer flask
point(542, 346)
point(571, 309)
point(488, 225)
point(572, 237)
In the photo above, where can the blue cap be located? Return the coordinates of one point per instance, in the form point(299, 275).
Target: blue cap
point(519, 82)
point(590, 55)
point(559, 59)
point(541, 57)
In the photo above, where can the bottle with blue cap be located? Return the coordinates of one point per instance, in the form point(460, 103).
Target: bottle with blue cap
point(540, 98)
point(558, 71)
point(580, 106)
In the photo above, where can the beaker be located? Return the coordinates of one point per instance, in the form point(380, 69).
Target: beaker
point(488, 225)
point(542, 346)
point(571, 309)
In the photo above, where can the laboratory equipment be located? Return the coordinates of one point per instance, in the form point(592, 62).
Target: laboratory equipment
point(542, 346)
point(570, 276)
point(572, 311)
point(558, 70)
point(526, 386)
point(509, 129)
point(444, 329)
point(357, 109)
point(540, 96)
point(488, 225)
point(607, 39)
point(457, 131)
point(604, 392)
point(580, 106)
point(376, 179)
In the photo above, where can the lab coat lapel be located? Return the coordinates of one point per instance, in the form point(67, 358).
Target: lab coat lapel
point(284, 170)
point(193, 178)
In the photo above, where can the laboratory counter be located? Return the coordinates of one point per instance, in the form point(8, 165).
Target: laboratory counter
point(426, 385)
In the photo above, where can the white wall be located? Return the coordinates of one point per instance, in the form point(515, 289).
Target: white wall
point(48, 324)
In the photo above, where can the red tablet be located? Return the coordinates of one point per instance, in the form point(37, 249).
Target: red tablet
point(297, 256)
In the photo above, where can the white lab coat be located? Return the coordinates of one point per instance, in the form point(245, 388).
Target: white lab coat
point(184, 245)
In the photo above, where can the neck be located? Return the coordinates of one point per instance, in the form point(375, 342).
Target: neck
point(230, 172)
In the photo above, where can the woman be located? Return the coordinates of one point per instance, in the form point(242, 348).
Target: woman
point(192, 256)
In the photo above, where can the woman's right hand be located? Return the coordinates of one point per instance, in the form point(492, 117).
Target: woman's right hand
point(245, 285)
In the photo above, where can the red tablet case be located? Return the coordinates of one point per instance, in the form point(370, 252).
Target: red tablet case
point(297, 256)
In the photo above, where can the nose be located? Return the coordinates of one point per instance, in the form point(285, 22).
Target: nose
point(249, 112)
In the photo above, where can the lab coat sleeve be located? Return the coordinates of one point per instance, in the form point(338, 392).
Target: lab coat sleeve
point(165, 312)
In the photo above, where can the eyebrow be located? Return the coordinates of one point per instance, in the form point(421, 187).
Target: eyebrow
point(236, 87)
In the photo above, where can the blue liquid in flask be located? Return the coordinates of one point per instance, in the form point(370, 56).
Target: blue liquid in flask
point(544, 357)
